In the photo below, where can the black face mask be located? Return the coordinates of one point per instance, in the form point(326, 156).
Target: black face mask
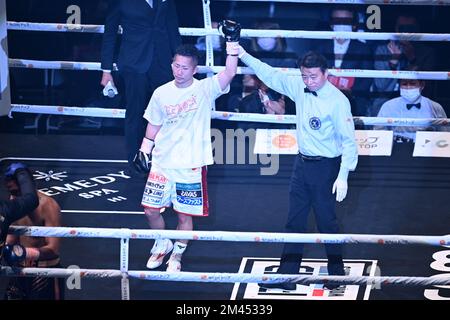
point(408, 28)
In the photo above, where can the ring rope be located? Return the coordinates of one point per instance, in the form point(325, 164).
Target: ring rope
point(265, 237)
point(358, 73)
point(391, 2)
point(227, 277)
point(184, 31)
point(228, 116)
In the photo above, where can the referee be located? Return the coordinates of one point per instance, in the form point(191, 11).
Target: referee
point(327, 153)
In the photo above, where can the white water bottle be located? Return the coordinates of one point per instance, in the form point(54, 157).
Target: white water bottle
point(110, 90)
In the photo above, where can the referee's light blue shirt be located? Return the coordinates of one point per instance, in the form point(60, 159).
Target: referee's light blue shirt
point(324, 122)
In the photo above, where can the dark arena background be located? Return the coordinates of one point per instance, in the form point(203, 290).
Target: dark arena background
point(80, 161)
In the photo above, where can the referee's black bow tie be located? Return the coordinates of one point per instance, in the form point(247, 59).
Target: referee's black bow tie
point(410, 105)
point(309, 91)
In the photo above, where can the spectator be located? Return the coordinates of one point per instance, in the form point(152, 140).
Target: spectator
point(272, 50)
point(260, 99)
point(217, 44)
point(399, 55)
point(410, 104)
point(348, 54)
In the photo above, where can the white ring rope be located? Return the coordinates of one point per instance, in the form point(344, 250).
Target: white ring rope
point(265, 237)
point(226, 277)
point(56, 65)
point(359, 73)
point(305, 34)
point(391, 2)
point(69, 111)
point(229, 116)
point(125, 234)
point(266, 278)
point(60, 272)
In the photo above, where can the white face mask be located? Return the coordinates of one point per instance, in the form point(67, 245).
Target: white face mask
point(267, 44)
point(342, 27)
point(410, 94)
point(216, 44)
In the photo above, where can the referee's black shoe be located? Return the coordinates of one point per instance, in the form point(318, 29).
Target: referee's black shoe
point(334, 287)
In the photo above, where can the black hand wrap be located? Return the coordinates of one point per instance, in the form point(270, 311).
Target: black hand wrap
point(231, 30)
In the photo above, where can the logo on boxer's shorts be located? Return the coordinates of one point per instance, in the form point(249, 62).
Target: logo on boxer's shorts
point(315, 123)
point(151, 200)
point(189, 193)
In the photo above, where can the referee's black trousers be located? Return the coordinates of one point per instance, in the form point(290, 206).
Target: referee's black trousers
point(310, 187)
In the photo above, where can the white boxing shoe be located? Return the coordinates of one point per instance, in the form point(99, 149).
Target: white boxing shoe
point(160, 249)
point(174, 262)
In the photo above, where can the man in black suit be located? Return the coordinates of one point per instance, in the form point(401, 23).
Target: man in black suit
point(150, 37)
point(348, 54)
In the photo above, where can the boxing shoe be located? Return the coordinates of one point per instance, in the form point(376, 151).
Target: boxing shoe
point(160, 249)
point(174, 262)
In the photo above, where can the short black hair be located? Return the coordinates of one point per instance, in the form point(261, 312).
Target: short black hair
point(188, 50)
point(313, 59)
point(354, 19)
point(413, 67)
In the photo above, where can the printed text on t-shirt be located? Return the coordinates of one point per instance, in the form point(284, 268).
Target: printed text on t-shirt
point(188, 105)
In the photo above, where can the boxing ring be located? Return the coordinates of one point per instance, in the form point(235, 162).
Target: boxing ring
point(371, 278)
point(126, 234)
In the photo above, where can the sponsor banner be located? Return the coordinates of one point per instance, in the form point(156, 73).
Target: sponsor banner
point(284, 141)
point(5, 95)
point(316, 267)
point(87, 185)
point(432, 144)
point(276, 141)
point(374, 142)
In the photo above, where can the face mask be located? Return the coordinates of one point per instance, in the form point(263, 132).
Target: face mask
point(267, 44)
point(410, 94)
point(216, 44)
point(342, 27)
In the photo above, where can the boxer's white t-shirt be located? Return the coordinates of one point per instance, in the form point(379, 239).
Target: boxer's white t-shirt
point(184, 114)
